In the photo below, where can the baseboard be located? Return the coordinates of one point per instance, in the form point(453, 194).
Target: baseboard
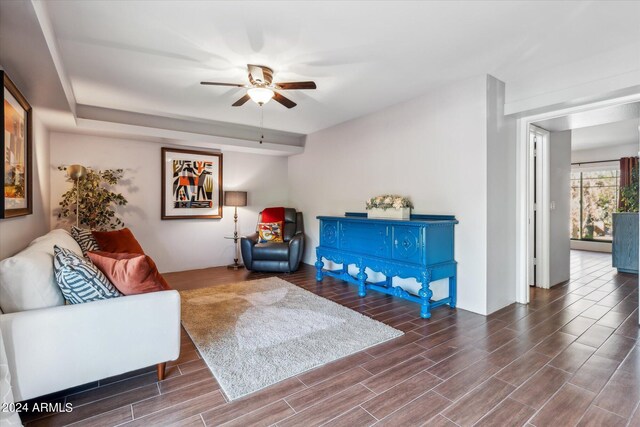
point(585, 245)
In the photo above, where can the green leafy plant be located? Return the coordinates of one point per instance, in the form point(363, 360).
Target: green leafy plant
point(97, 200)
point(629, 194)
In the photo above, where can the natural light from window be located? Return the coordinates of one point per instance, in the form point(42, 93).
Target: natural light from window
point(594, 199)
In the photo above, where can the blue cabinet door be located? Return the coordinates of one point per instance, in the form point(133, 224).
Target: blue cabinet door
point(365, 238)
point(329, 234)
point(407, 244)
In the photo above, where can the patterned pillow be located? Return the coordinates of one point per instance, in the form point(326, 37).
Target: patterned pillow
point(79, 280)
point(270, 232)
point(85, 240)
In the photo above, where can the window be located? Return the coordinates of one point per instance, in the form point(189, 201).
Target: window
point(594, 199)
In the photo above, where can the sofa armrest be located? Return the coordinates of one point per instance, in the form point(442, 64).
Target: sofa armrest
point(296, 249)
point(246, 247)
point(56, 348)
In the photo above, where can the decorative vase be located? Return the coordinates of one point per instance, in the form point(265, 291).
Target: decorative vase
point(391, 213)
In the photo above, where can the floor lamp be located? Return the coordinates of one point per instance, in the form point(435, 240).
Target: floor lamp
point(76, 173)
point(235, 199)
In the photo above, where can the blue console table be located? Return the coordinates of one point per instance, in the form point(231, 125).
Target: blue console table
point(421, 247)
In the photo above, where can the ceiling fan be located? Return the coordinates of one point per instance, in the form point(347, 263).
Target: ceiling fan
point(261, 87)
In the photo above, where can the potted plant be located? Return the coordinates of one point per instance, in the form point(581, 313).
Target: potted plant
point(95, 199)
point(625, 228)
point(389, 206)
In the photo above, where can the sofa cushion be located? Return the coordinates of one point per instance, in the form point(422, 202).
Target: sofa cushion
point(85, 239)
point(119, 241)
point(79, 280)
point(271, 251)
point(131, 273)
point(27, 281)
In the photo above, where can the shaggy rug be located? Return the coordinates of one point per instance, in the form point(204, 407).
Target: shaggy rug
point(254, 334)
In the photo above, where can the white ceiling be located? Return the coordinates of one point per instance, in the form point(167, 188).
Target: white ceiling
point(149, 57)
point(610, 134)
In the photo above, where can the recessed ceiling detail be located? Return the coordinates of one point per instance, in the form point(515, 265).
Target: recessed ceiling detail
point(149, 57)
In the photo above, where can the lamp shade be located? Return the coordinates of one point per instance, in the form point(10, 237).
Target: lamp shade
point(235, 198)
point(76, 171)
point(260, 95)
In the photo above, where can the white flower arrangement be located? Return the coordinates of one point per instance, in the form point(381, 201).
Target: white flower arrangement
point(389, 201)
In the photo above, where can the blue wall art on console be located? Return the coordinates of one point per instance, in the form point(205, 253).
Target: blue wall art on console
point(421, 248)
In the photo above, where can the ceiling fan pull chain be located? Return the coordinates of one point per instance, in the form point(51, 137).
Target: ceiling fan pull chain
point(261, 124)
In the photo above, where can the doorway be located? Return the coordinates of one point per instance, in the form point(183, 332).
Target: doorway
point(534, 205)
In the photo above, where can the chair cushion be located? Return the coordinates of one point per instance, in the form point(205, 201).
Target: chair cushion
point(131, 273)
point(85, 239)
point(79, 280)
point(119, 241)
point(27, 281)
point(271, 251)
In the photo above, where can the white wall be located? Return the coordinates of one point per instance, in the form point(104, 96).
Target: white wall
point(560, 196)
point(16, 233)
point(175, 245)
point(611, 152)
point(432, 148)
point(501, 202)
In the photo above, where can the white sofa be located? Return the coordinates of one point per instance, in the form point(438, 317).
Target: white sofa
point(51, 346)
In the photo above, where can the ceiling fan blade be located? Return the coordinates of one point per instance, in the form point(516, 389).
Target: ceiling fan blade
point(296, 85)
point(241, 101)
point(283, 100)
point(222, 84)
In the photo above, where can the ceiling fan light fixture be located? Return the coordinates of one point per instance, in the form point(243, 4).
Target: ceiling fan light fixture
point(260, 95)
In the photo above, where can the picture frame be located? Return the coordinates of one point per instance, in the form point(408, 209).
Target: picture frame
point(16, 197)
point(191, 184)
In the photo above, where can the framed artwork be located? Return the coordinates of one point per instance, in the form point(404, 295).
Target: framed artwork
point(191, 184)
point(16, 197)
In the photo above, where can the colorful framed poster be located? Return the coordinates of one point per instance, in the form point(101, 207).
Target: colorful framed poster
point(191, 184)
point(16, 197)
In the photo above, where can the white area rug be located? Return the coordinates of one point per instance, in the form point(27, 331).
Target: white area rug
point(255, 334)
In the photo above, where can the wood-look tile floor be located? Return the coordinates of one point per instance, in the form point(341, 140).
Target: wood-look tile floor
point(570, 357)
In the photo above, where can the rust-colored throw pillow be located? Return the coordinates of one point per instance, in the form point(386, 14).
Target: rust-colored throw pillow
point(153, 266)
point(131, 273)
point(119, 241)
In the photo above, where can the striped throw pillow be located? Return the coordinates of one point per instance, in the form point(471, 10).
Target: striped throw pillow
point(79, 280)
point(85, 240)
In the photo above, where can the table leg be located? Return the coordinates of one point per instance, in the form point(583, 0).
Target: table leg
point(453, 290)
point(425, 293)
point(319, 264)
point(362, 282)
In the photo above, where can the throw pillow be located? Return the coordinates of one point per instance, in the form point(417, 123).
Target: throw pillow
point(270, 232)
point(79, 280)
point(27, 280)
point(131, 273)
point(85, 239)
point(119, 241)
